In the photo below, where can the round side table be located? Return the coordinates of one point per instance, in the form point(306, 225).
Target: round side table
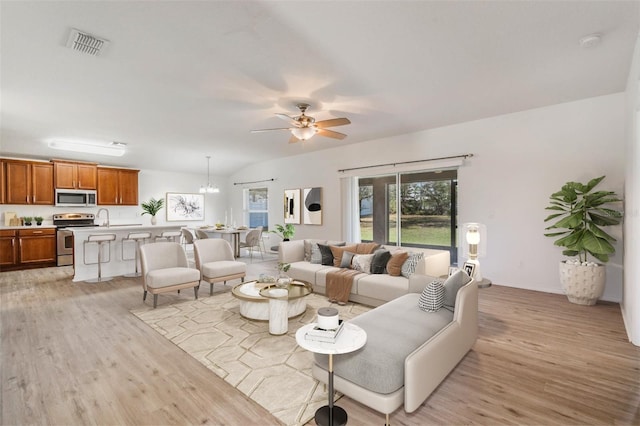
point(350, 339)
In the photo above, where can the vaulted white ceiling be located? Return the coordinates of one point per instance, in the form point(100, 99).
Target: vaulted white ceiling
point(181, 80)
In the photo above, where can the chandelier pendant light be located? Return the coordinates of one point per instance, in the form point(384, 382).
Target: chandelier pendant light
point(209, 188)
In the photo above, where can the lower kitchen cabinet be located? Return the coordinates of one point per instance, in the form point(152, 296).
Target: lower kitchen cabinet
point(27, 248)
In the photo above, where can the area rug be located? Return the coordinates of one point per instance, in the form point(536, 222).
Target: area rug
point(271, 370)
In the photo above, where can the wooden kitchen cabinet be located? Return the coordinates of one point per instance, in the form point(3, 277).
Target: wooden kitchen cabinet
point(8, 249)
point(117, 186)
point(28, 182)
point(27, 248)
point(72, 175)
point(3, 188)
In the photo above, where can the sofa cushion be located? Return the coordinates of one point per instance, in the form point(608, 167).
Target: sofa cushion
point(379, 261)
point(451, 287)
point(409, 265)
point(382, 286)
point(305, 271)
point(347, 257)
point(337, 253)
point(394, 330)
point(362, 263)
point(327, 255)
point(394, 266)
point(432, 297)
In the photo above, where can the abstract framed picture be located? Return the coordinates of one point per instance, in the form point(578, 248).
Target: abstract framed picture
point(184, 206)
point(312, 206)
point(292, 206)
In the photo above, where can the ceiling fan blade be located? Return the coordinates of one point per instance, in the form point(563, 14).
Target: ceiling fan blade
point(288, 119)
point(268, 130)
point(332, 122)
point(331, 134)
point(293, 139)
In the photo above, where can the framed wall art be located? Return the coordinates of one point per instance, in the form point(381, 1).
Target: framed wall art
point(312, 206)
point(184, 206)
point(292, 206)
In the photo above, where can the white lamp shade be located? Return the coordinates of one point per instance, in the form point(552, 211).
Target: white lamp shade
point(473, 233)
point(303, 133)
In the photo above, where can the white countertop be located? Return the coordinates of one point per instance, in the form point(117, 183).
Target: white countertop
point(132, 227)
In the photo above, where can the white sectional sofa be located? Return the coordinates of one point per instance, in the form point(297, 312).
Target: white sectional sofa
point(369, 289)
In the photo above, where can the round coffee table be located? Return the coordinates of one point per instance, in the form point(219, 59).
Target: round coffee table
point(255, 306)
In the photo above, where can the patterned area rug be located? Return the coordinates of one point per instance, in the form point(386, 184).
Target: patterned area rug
point(271, 370)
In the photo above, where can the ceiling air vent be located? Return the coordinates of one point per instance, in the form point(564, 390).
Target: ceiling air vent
point(86, 43)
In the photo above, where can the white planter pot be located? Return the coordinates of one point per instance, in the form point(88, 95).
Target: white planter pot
point(583, 285)
point(154, 220)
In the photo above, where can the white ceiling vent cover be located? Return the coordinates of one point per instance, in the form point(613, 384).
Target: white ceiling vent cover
point(86, 43)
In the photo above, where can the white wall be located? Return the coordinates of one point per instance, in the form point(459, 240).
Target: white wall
point(631, 291)
point(519, 160)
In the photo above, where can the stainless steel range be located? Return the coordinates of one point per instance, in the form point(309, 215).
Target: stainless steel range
point(64, 222)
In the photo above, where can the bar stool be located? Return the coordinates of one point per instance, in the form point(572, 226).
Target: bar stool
point(168, 236)
point(137, 238)
point(101, 240)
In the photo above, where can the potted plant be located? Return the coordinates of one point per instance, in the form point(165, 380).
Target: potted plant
point(38, 220)
point(579, 218)
point(27, 220)
point(152, 207)
point(285, 232)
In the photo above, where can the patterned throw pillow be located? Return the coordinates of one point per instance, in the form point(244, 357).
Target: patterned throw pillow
point(432, 297)
point(362, 263)
point(409, 265)
point(316, 256)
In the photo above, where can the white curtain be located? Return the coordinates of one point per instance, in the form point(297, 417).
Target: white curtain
point(350, 209)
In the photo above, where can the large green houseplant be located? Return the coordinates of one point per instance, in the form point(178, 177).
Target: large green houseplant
point(580, 213)
point(152, 207)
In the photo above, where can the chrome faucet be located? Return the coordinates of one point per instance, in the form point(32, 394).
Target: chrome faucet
point(104, 223)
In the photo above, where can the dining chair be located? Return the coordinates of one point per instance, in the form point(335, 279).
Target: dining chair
point(201, 234)
point(252, 241)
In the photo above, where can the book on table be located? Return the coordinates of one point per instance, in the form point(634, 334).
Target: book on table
point(324, 335)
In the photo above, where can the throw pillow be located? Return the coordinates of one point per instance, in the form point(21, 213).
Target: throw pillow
point(409, 265)
point(346, 259)
point(379, 261)
point(432, 297)
point(394, 266)
point(366, 248)
point(327, 256)
point(316, 256)
point(337, 253)
point(308, 246)
point(362, 263)
point(451, 286)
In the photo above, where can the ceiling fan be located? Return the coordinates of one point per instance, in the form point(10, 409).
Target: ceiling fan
point(303, 127)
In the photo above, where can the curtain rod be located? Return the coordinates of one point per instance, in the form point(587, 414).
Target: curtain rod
point(255, 181)
point(406, 162)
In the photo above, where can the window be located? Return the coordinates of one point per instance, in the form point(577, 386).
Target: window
point(256, 207)
point(423, 214)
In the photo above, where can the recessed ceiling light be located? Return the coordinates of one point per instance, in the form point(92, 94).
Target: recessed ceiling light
point(114, 149)
point(591, 40)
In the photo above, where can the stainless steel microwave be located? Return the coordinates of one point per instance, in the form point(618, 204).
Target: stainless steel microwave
point(76, 197)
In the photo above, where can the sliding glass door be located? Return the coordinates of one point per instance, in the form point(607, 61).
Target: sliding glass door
point(423, 214)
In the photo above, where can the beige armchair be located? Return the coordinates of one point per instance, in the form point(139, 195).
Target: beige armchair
point(252, 241)
point(214, 258)
point(165, 268)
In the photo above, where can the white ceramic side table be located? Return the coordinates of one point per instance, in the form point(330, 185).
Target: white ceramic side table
point(351, 339)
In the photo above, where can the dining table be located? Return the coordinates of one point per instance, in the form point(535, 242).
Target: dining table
point(232, 233)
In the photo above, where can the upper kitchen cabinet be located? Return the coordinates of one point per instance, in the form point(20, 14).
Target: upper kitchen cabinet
point(117, 186)
point(73, 175)
point(28, 182)
point(3, 187)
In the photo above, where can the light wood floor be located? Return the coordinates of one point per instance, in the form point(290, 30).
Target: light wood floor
point(71, 353)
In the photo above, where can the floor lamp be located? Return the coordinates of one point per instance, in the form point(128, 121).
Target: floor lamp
point(475, 237)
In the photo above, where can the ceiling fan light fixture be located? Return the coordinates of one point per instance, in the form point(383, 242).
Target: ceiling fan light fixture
point(303, 133)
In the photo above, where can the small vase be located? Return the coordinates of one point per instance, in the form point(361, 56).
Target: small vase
point(154, 220)
point(39, 223)
point(283, 280)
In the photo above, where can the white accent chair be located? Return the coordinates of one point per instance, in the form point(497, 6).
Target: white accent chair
point(215, 261)
point(252, 241)
point(165, 268)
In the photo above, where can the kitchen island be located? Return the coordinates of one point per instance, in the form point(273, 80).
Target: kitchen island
point(116, 266)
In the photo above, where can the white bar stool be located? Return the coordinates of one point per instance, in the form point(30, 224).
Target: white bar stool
point(101, 240)
point(169, 236)
point(137, 238)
